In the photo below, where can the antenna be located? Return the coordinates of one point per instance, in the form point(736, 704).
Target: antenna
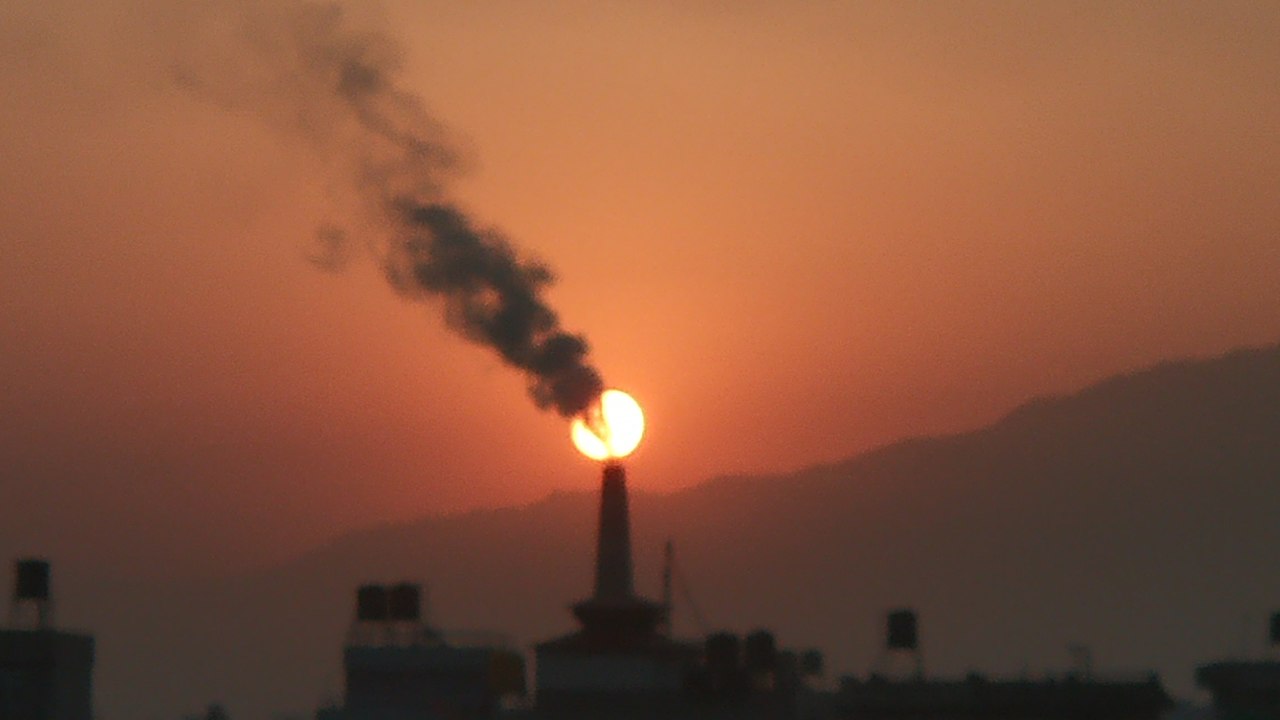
point(687, 595)
point(668, 557)
point(1245, 633)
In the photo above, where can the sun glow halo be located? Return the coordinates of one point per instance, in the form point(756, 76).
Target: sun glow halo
point(611, 428)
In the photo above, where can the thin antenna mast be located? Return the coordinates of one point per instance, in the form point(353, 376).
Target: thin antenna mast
point(678, 574)
point(668, 557)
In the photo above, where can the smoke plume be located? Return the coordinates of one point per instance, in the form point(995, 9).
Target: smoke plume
point(305, 69)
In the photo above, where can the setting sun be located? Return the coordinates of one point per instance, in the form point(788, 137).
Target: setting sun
point(611, 428)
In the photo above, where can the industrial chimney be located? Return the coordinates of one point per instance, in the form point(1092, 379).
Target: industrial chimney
point(620, 654)
point(614, 615)
point(614, 580)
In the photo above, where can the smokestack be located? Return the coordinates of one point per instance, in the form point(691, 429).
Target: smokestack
point(614, 616)
point(613, 540)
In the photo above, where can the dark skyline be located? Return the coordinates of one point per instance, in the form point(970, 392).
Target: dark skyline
point(1134, 518)
point(793, 232)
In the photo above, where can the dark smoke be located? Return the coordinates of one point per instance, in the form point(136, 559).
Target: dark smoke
point(304, 68)
point(495, 299)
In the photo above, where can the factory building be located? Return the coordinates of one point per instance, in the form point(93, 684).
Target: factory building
point(398, 667)
point(45, 673)
point(621, 662)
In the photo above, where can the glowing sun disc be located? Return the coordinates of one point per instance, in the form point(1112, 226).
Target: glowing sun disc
point(619, 428)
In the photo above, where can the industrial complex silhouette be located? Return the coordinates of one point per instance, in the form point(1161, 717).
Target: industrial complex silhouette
point(621, 662)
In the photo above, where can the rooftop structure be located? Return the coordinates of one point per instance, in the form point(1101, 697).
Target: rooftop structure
point(1242, 689)
point(979, 697)
point(397, 667)
point(619, 654)
point(881, 697)
point(45, 673)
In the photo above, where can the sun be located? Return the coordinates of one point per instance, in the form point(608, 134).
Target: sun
point(611, 428)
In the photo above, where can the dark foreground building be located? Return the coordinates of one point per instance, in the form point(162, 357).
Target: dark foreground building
point(45, 673)
point(621, 662)
point(1075, 697)
point(979, 698)
point(397, 667)
point(1244, 690)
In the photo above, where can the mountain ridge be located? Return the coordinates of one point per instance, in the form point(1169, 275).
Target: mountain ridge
point(1135, 516)
point(1027, 409)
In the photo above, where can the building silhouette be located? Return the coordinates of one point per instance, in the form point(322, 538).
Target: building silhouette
point(910, 694)
point(397, 667)
point(622, 663)
point(45, 673)
point(1244, 689)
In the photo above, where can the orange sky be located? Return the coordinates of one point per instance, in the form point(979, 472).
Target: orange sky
point(791, 230)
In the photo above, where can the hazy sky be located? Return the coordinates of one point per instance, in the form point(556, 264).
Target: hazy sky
point(793, 230)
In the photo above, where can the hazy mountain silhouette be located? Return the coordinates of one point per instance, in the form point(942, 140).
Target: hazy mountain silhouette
point(1138, 517)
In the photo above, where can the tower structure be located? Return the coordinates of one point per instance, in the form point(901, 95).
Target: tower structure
point(614, 617)
point(619, 650)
